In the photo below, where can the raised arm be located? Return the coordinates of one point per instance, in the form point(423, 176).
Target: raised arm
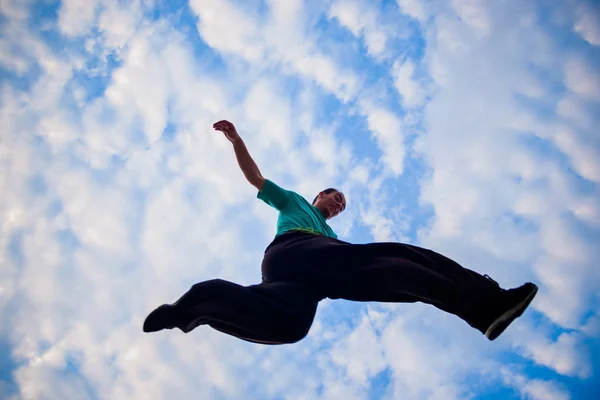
point(245, 161)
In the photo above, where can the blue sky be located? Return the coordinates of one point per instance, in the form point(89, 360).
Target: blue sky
point(469, 127)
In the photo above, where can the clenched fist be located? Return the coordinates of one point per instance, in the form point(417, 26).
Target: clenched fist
point(228, 129)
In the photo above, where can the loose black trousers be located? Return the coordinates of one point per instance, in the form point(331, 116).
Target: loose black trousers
point(300, 269)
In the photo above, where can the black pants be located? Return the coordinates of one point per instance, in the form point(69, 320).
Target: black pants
point(300, 269)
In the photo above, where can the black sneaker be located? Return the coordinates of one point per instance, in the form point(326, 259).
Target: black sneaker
point(161, 318)
point(515, 303)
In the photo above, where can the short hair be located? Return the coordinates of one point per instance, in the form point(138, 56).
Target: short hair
point(327, 191)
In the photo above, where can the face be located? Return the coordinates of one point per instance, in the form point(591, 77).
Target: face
point(331, 204)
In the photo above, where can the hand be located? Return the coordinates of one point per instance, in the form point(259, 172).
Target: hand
point(228, 129)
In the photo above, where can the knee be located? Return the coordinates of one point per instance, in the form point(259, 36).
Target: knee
point(212, 283)
point(298, 328)
point(296, 337)
point(291, 337)
point(295, 332)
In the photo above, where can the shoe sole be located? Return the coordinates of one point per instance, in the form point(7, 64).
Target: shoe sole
point(502, 322)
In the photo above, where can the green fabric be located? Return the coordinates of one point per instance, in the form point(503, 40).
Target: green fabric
point(295, 213)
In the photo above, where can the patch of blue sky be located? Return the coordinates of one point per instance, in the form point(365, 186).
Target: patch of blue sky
point(545, 108)
point(375, 78)
point(69, 243)
point(406, 192)
point(359, 234)
point(181, 17)
point(162, 8)
point(379, 384)
point(340, 314)
point(335, 316)
point(490, 385)
point(410, 47)
point(15, 248)
point(587, 233)
point(54, 208)
point(496, 392)
point(521, 224)
point(37, 185)
point(8, 386)
point(579, 388)
point(43, 12)
point(43, 17)
point(136, 217)
point(72, 374)
point(21, 82)
point(549, 21)
point(354, 129)
point(170, 131)
point(544, 149)
point(68, 240)
point(590, 387)
point(96, 76)
point(337, 41)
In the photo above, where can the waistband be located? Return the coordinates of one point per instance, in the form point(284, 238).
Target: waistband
point(292, 233)
point(305, 230)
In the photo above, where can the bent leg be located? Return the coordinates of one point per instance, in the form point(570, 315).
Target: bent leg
point(267, 313)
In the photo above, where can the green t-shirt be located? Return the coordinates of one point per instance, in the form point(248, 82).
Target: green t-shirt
point(294, 211)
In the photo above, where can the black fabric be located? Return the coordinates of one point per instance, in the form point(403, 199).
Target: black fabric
point(300, 269)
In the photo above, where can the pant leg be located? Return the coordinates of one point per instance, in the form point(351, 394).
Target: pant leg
point(390, 272)
point(267, 313)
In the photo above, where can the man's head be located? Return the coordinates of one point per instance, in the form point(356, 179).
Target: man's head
point(330, 202)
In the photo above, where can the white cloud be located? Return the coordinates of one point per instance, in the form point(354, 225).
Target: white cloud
point(103, 220)
point(414, 8)
point(411, 90)
point(299, 54)
point(474, 14)
point(587, 209)
point(567, 355)
point(536, 389)
point(350, 16)
point(386, 127)
point(143, 67)
point(118, 22)
point(560, 284)
point(484, 172)
point(582, 78)
point(242, 34)
point(362, 20)
point(349, 354)
point(12, 60)
point(15, 9)
point(244, 38)
point(571, 247)
point(31, 381)
point(587, 23)
point(585, 159)
point(319, 67)
point(422, 366)
point(76, 17)
point(576, 110)
point(125, 221)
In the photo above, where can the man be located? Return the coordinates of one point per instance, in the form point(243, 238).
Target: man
point(306, 263)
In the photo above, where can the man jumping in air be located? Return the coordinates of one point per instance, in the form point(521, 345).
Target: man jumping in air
point(306, 263)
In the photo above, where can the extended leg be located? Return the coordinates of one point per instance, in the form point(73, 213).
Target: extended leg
point(395, 272)
point(273, 313)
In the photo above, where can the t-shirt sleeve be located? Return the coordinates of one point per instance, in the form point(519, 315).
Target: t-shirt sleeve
point(274, 195)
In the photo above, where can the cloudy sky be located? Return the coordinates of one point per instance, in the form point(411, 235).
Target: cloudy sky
point(467, 126)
